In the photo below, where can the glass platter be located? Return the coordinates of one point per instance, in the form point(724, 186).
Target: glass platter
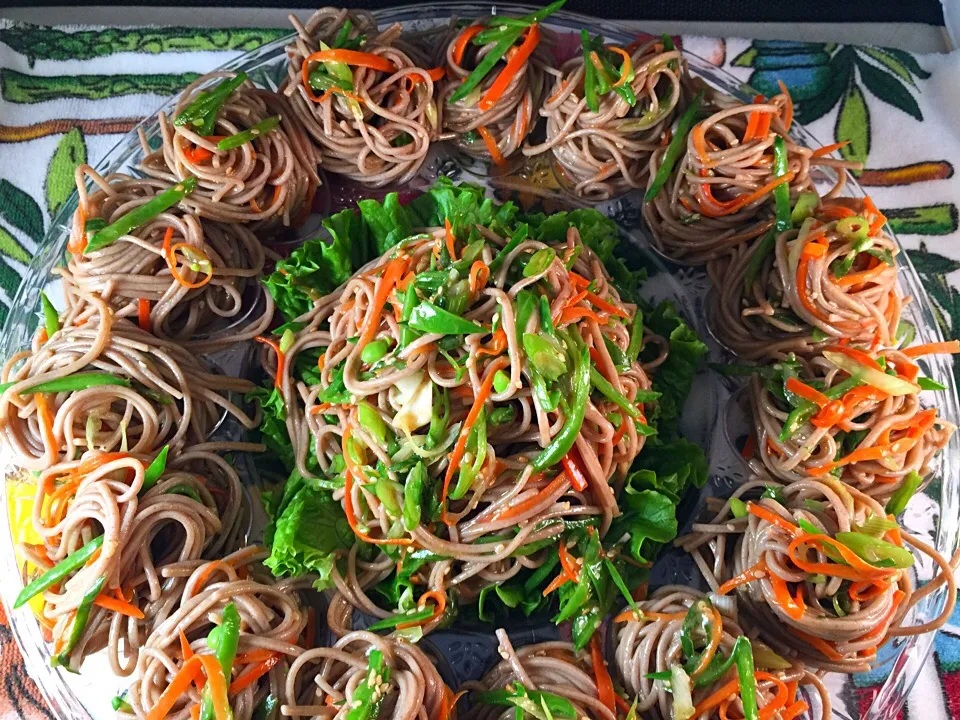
point(712, 417)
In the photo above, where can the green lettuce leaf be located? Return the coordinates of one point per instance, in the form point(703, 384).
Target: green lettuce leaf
point(674, 378)
point(466, 206)
point(309, 532)
point(273, 426)
point(648, 522)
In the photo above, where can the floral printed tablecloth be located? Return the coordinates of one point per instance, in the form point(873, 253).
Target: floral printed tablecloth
point(67, 94)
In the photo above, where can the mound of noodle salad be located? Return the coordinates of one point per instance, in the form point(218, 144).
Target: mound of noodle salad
point(607, 112)
point(260, 476)
point(494, 81)
point(467, 405)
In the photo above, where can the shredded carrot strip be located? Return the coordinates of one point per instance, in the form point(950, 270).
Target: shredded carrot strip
point(177, 687)
point(621, 431)
point(749, 447)
point(450, 239)
point(457, 454)
point(856, 569)
point(716, 208)
point(524, 506)
point(45, 416)
point(197, 154)
point(773, 518)
point(572, 314)
point(793, 607)
point(254, 674)
point(392, 272)
point(827, 149)
point(828, 650)
point(492, 146)
point(118, 606)
point(801, 389)
point(143, 314)
point(281, 358)
point(460, 47)
point(352, 57)
point(951, 347)
point(513, 67)
point(479, 275)
point(558, 93)
point(558, 581)
point(605, 691)
point(716, 634)
point(756, 572)
point(496, 346)
point(568, 563)
point(79, 221)
point(834, 212)
point(859, 278)
point(211, 567)
point(169, 255)
point(605, 306)
point(798, 708)
point(858, 355)
point(788, 107)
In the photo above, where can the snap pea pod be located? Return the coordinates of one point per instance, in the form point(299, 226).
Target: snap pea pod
point(80, 620)
point(223, 641)
point(413, 496)
point(498, 25)
point(249, 135)
point(366, 695)
point(589, 75)
point(51, 320)
point(898, 501)
point(119, 704)
point(143, 214)
point(266, 708)
point(58, 572)
point(519, 235)
point(762, 251)
point(564, 440)
point(78, 381)
point(429, 318)
point(487, 63)
point(343, 33)
point(781, 193)
point(636, 337)
point(415, 616)
point(676, 148)
point(618, 398)
point(183, 489)
point(210, 101)
point(748, 680)
point(154, 470)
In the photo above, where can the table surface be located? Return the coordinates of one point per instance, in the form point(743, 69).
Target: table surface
point(914, 37)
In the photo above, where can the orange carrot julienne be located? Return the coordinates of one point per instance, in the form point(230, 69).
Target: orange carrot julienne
point(460, 46)
point(118, 606)
point(522, 507)
point(356, 58)
point(788, 106)
point(45, 415)
point(605, 306)
point(492, 146)
point(827, 149)
point(749, 447)
point(479, 275)
point(143, 314)
point(557, 582)
point(392, 272)
point(820, 644)
point(568, 563)
point(716, 635)
point(855, 569)
point(859, 355)
point(254, 674)
point(461, 444)
point(513, 67)
point(801, 389)
point(177, 687)
point(717, 208)
point(281, 358)
point(605, 692)
point(496, 346)
point(832, 211)
point(795, 710)
point(572, 314)
point(950, 347)
point(773, 518)
point(80, 222)
point(751, 574)
point(450, 239)
point(793, 607)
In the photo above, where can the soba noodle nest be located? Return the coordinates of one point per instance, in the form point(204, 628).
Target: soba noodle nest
point(272, 624)
point(553, 667)
point(653, 645)
point(408, 688)
point(718, 196)
point(379, 132)
point(608, 152)
point(502, 477)
point(777, 315)
point(134, 268)
point(165, 396)
point(818, 633)
point(871, 417)
point(511, 118)
point(269, 181)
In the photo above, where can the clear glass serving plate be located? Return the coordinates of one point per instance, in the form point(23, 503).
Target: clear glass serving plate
point(712, 417)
